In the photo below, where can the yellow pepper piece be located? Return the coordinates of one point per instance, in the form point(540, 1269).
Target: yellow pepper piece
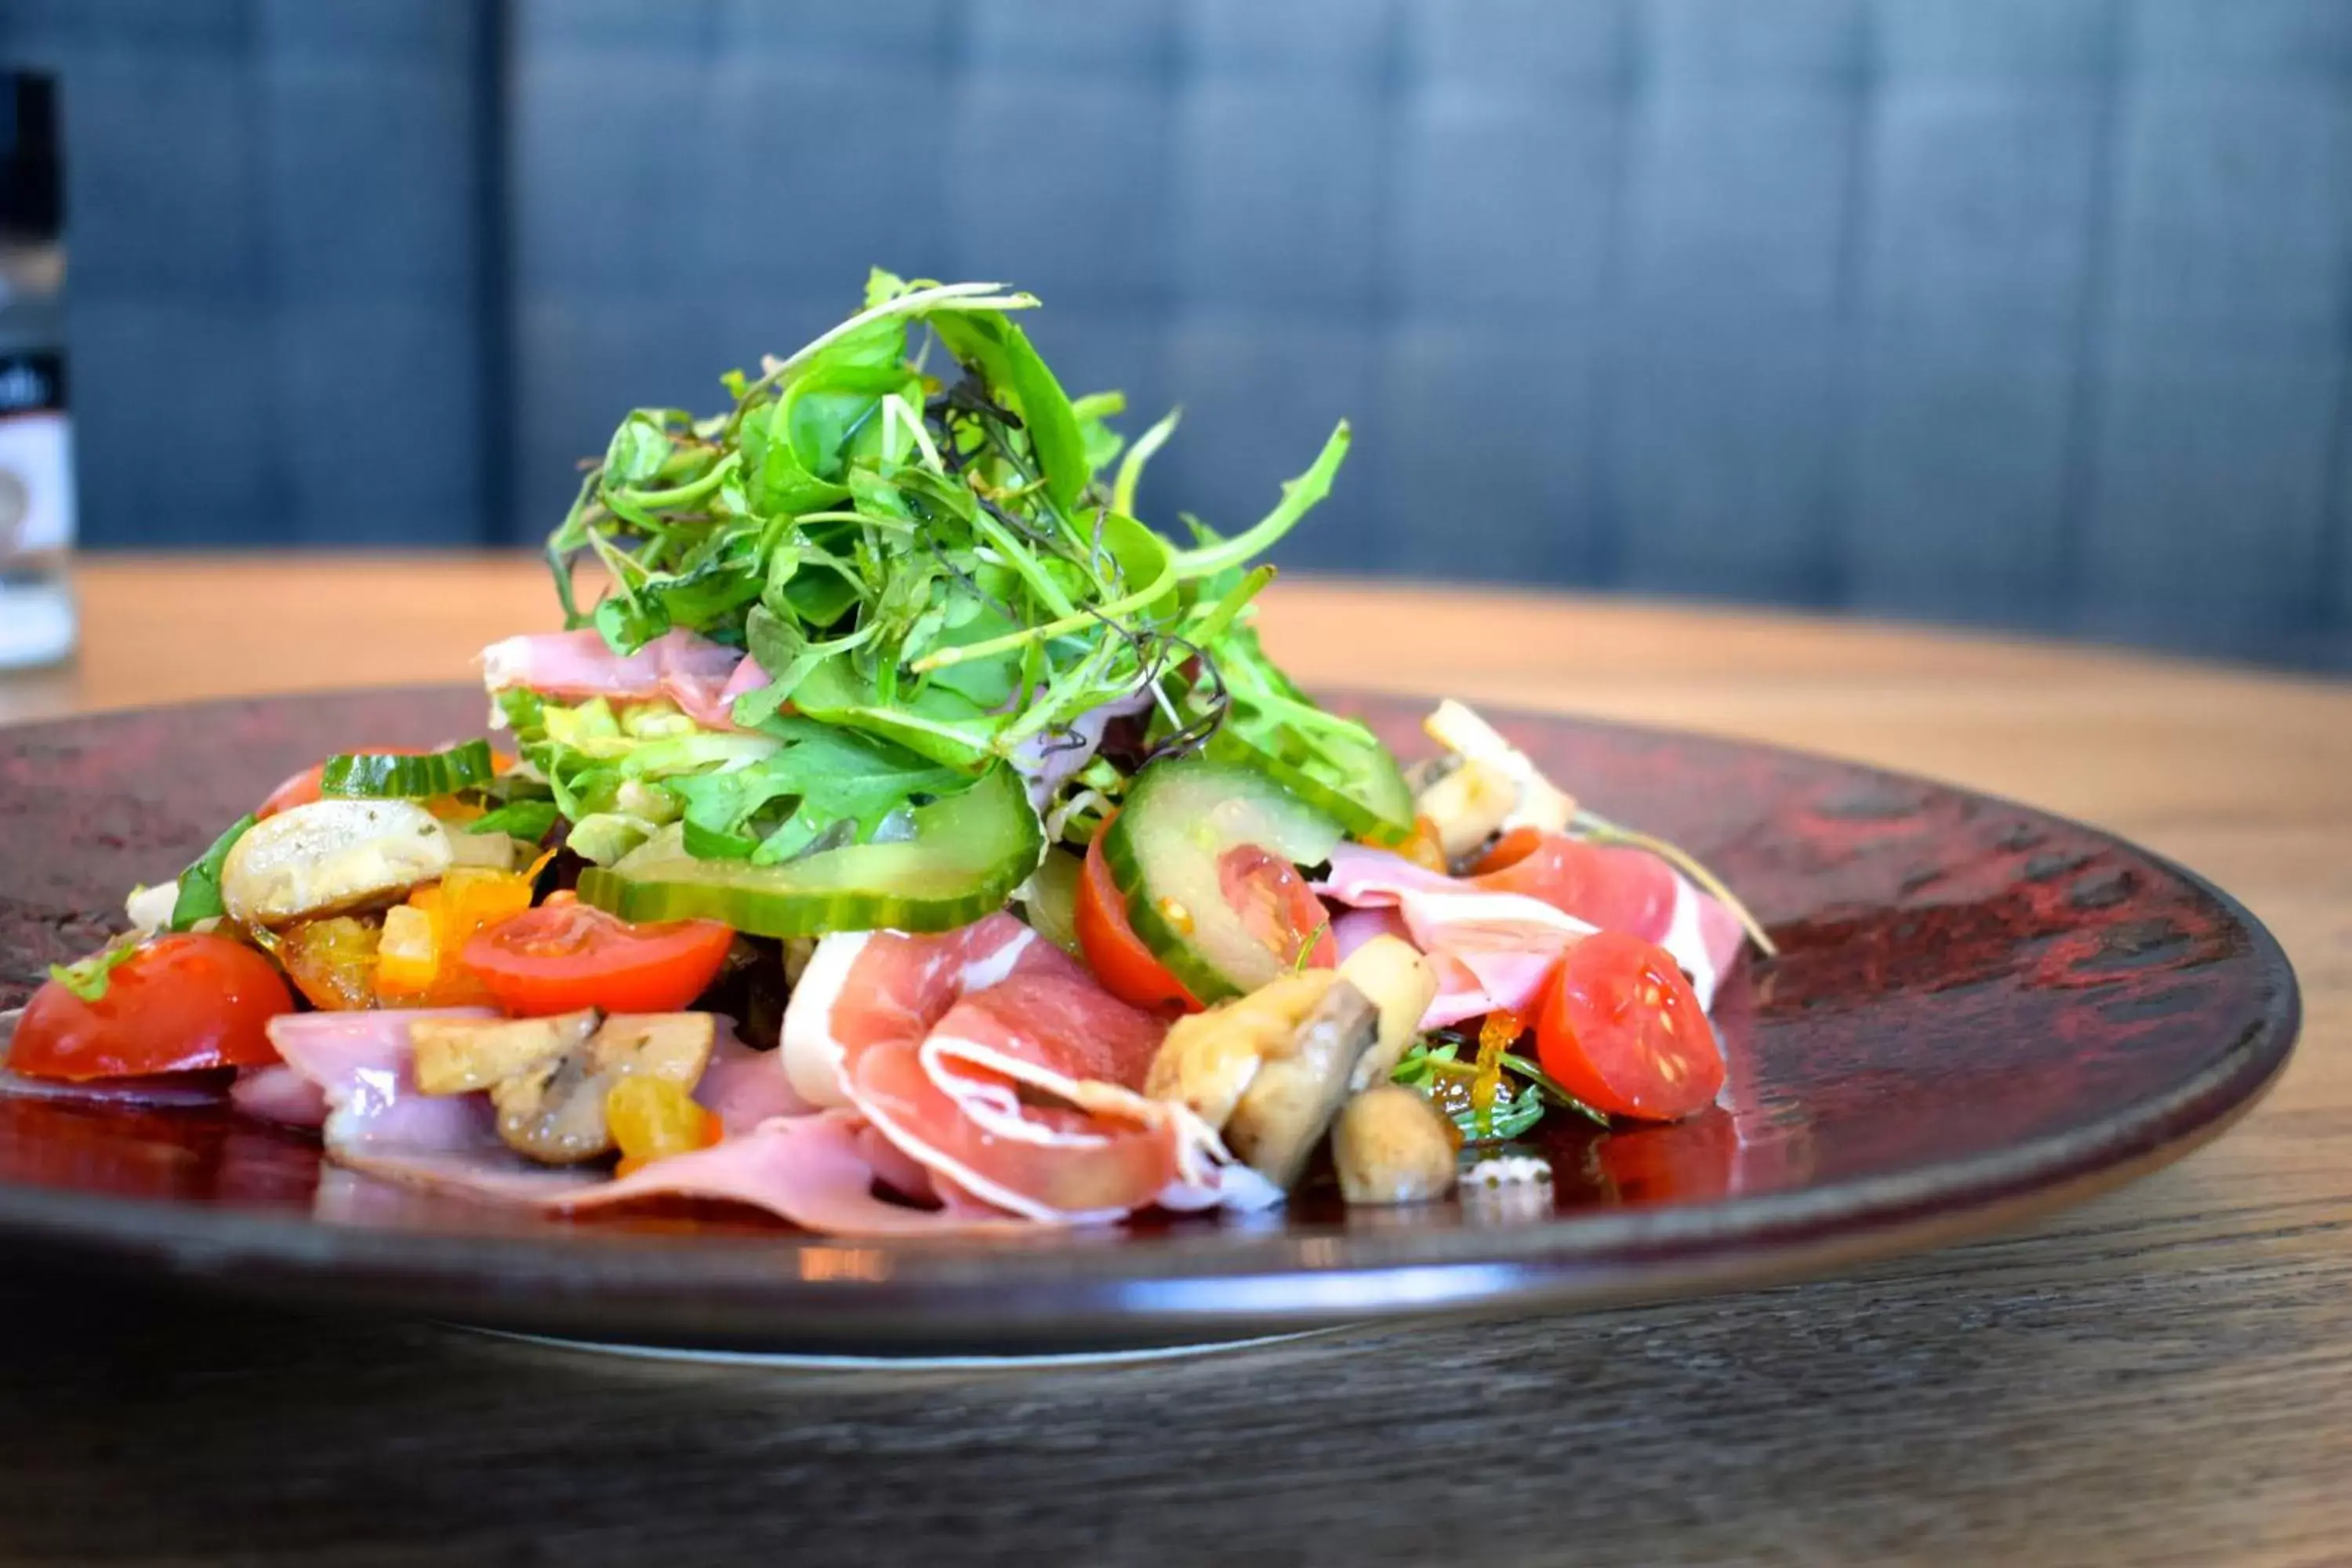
point(332, 962)
point(417, 963)
point(408, 955)
point(474, 898)
point(652, 1119)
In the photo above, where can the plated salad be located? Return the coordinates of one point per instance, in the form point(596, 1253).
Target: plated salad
point(906, 837)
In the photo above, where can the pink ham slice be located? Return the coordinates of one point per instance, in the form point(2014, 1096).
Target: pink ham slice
point(811, 1170)
point(1493, 948)
point(378, 1121)
point(281, 1094)
point(992, 1059)
point(703, 678)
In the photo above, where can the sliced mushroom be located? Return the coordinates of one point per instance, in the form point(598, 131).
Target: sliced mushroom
point(1401, 983)
point(1296, 1091)
point(332, 857)
point(1540, 804)
point(672, 1046)
point(1391, 1146)
point(1209, 1058)
point(555, 1112)
point(1468, 806)
point(552, 1106)
point(458, 1056)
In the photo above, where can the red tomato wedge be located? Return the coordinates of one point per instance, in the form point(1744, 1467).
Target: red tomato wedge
point(299, 790)
point(1276, 906)
point(181, 1004)
point(1621, 1030)
point(564, 956)
point(1116, 954)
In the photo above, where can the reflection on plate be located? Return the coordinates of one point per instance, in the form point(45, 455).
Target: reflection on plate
point(1979, 1010)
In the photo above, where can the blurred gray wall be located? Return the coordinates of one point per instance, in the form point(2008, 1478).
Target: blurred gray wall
point(2027, 312)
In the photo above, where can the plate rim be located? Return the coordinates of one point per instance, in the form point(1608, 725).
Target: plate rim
point(819, 1290)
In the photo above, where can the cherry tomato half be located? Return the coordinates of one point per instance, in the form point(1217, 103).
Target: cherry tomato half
point(178, 1005)
point(1621, 1030)
point(299, 790)
point(1276, 906)
point(1116, 954)
point(564, 956)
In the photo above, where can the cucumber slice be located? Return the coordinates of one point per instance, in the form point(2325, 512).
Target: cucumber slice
point(391, 775)
point(1360, 787)
point(1163, 850)
point(968, 853)
point(1052, 902)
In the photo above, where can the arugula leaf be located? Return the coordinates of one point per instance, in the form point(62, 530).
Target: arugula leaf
point(638, 450)
point(1101, 444)
point(822, 778)
point(527, 820)
point(1001, 353)
point(936, 558)
point(200, 894)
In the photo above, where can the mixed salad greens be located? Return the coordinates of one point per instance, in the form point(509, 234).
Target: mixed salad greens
point(891, 707)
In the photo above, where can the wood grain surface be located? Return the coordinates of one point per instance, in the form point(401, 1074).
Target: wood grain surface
point(2164, 1375)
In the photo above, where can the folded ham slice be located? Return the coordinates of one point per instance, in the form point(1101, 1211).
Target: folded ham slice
point(703, 678)
point(1496, 937)
point(379, 1121)
point(811, 1169)
point(988, 1056)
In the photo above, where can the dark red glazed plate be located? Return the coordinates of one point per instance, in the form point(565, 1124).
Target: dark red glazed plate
point(1980, 1011)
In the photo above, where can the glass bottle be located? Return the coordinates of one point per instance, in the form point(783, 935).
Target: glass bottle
point(37, 490)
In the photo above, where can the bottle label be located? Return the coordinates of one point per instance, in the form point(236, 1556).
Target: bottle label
point(36, 498)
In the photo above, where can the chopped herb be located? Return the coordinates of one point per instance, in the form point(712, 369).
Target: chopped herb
point(89, 978)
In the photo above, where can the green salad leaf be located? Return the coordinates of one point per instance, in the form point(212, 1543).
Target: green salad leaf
point(200, 891)
point(934, 554)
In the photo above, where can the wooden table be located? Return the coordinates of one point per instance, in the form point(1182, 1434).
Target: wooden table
point(2164, 1375)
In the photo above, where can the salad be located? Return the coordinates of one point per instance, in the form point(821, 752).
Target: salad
point(906, 837)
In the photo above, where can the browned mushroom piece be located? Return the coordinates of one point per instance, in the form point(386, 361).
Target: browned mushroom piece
point(1291, 1100)
point(1390, 1145)
point(555, 1112)
point(458, 1056)
point(548, 1078)
point(672, 1046)
point(1209, 1059)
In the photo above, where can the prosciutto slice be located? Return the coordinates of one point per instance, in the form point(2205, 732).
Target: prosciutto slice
point(1494, 938)
point(990, 1058)
point(703, 678)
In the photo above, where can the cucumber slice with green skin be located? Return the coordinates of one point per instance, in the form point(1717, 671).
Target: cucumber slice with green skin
point(1164, 848)
point(390, 775)
point(968, 853)
point(1359, 786)
point(1052, 902)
